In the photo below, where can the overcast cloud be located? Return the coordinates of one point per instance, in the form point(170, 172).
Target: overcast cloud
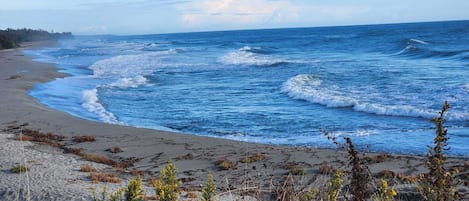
point(163, 16)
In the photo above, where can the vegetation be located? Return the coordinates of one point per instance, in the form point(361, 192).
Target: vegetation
point(209, 190)
point(167, 188)
point(225, 163)
point(19, 169)
point(254, 158)
point(84, 138)
point(114, 150)
point(438, 184)
point(99, 159)
point(385, 193)
point(11, 38)
point(360, 184)
point(356, 183)
point(335, 185)
point(135, 190)
point(115, 196)
point(87, 168)
point(97, 177)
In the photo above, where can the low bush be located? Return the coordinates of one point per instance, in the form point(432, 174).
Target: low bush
point(439, 183)
point(99, 159)
point(135, 190)
point(87, 168)
point(97, 177)
point(225, 164)
point(210, 189)
point(19, 169)
point(84, 138)
point(167, 188)
point(254, 158)
point(22, 137)
point(326, 169)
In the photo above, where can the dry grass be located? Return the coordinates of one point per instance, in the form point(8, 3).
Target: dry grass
point(19, 169)
point(84, 138)
point(386, 174)
point(254, 158)
point(22, 137)
point(87, 168)
point(326, 169)
point(42, 138)
point(136, 172)
point(97, 177)
point(377, 159)
point(76, 151)
point(225, 164)
point(99, 159)
point(409, 179)
point(114, 150)
point(124, 164)
point(192, 195)
point(295, 168)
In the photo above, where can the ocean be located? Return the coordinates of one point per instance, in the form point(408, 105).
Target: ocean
point(378, 84)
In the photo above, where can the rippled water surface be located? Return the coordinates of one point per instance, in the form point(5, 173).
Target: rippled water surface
point(379, 84)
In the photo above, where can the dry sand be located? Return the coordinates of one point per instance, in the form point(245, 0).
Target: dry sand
point(52, 175)
point(194, 156)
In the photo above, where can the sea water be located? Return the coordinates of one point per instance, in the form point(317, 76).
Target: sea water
point(379, 84)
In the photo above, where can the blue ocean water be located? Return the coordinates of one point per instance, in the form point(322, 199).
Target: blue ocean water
point(379, 84)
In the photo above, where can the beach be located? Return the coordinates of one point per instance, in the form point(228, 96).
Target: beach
point(149, 150)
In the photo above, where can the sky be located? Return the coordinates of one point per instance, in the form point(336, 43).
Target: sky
point(125, 17)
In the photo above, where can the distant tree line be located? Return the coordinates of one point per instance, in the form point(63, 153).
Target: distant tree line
point(11, 38)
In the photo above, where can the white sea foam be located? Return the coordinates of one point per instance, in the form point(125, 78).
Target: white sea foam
point(309, 88)
point(129, 82)
point(355, 133)
point(129, 65)
point(92, 104)
point(245, 56)
point(123, 71)
point(406, 49)
point(419, 41)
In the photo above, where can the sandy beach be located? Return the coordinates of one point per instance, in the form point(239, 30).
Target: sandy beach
point(55, 175)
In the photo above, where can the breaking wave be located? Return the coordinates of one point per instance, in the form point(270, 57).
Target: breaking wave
point(252, 56)
point(310, 88)
point(123, 71)
point(421, 49)
point(92, 104)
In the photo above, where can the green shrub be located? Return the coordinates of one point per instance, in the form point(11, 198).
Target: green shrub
point(384, 193)
point(167, 188)
point(335, 185)
point(103, 194)
point(135, 190)
point(209, 190)
point(19, 169)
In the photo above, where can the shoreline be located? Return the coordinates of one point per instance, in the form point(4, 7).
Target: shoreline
point(194, 156)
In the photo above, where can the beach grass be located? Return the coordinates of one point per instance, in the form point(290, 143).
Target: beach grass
point(19, 169)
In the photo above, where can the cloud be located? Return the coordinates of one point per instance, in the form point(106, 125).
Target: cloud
point(237, 12)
